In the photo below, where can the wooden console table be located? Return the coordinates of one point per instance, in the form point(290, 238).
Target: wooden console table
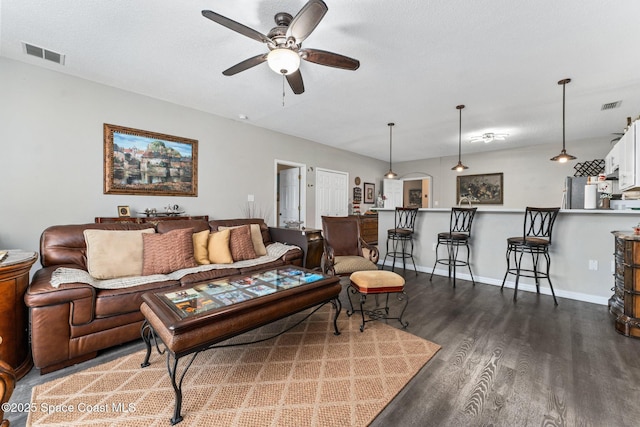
point(149, 219)
point(14, 315)
point(369, 228)
point(309, 240)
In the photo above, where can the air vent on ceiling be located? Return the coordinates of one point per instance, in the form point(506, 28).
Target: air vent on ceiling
point(610, 105)
point(43, 53)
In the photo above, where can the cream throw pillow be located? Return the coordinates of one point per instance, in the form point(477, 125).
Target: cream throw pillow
point(200, 247)
point(114, 253)
point(256, 238)
point(218, 246)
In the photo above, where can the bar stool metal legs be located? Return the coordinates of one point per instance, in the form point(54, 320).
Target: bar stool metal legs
point(401, 238)
point(535, 241)
point(458, 235)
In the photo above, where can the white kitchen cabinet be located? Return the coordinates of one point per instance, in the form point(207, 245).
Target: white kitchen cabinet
point(612, 160)
point(628, 150)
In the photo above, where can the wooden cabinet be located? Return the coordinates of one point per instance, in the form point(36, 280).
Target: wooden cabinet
point(14, 315)
point(625, 302)
point(369, 228)
point(150, 219)
point(309, 240)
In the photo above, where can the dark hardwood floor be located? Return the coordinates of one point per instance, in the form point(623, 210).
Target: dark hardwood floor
point(527, 363)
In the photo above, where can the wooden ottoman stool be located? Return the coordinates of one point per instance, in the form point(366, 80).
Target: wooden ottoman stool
point(377, 282)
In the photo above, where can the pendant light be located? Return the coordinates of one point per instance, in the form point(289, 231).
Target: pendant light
point(391, 174)
point(460, 167)
point(563, 157)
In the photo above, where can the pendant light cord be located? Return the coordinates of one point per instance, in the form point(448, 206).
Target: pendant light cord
point(390, 143)
point(460, 137)
point(564, 85)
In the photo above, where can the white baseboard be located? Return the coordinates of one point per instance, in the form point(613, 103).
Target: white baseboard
point(526, 287)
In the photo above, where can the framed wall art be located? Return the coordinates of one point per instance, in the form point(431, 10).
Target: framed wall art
point(369, 192)
point(484, 189)
point(148, 163)
point(124, 211)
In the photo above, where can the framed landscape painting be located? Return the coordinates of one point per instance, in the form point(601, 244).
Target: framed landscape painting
point(480, 189)
point(148, 163)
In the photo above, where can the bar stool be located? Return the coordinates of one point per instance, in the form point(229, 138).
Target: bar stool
point(401, 236)
point(535, 240)
point(458, 235)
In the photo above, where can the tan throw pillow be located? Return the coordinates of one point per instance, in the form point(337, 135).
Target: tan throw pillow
point(241, 244)
point(218, 247)
point(256, 238)
point(114, 253)
point(167, 252)
point(200, 247)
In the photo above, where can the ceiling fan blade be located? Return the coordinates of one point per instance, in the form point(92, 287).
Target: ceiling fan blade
point(330, 59)
point(295, 81)
point(246, 64)
point(236, 26)
point(307, 20)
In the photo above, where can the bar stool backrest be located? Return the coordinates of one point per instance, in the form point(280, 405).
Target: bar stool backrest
point(538, 222)
point(406, 218)
point(461, 220)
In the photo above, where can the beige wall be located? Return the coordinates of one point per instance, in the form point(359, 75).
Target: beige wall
point(52, 155)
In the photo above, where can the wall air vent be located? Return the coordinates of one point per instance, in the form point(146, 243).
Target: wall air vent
point(610, 105)
point(43, 53)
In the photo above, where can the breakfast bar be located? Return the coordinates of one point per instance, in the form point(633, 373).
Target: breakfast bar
point(582, 253)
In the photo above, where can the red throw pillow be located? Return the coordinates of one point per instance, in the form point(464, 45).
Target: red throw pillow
point(168, 252)
point(240, 244)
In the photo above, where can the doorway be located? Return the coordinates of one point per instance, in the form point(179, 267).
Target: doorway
point(332, 195)
point(290, 200)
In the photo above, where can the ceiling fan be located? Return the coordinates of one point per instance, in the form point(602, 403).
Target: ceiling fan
point(285, 44)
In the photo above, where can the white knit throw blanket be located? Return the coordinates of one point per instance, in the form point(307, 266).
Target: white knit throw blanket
point(64, 275)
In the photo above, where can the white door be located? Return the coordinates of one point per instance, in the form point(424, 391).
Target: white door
point(332, 195)
point(392, 193)
point(289, 191)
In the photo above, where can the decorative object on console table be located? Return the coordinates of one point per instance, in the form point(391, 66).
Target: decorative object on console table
point(309, 240)
point(148, 163)
point(14, 316)
point(148, 219)
point(124, 211)
point(625, 301)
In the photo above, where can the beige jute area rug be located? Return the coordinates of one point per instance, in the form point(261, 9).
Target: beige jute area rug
point(305, 377)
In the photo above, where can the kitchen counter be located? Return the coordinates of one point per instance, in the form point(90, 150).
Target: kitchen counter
point(581, 251)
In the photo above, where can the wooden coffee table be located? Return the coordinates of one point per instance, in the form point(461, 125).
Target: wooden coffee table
point(193, 319)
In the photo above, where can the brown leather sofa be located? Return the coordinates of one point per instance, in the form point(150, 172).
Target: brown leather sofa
point(71, 323)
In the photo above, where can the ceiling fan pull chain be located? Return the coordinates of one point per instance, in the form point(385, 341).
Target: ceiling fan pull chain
point(283, 89)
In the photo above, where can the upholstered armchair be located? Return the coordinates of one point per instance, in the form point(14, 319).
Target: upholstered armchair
point(343, 247)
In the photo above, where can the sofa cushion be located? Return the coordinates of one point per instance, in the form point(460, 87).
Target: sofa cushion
point(240, 244)
point(218, 246)
point(200, 249)
point(168, 252)
point(264, 229)
point(256, 238)
point(114, 302)
point(114, 253)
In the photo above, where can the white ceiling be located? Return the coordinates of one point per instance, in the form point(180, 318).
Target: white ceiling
point(419, 59)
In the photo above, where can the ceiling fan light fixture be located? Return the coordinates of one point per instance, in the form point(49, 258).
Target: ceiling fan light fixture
point(489, 137)
point(283, 61)
point(459, 167)
point(563, 157)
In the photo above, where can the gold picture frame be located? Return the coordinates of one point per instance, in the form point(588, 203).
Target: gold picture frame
point(124, 212)
point(483, 189)
point(148, 163)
